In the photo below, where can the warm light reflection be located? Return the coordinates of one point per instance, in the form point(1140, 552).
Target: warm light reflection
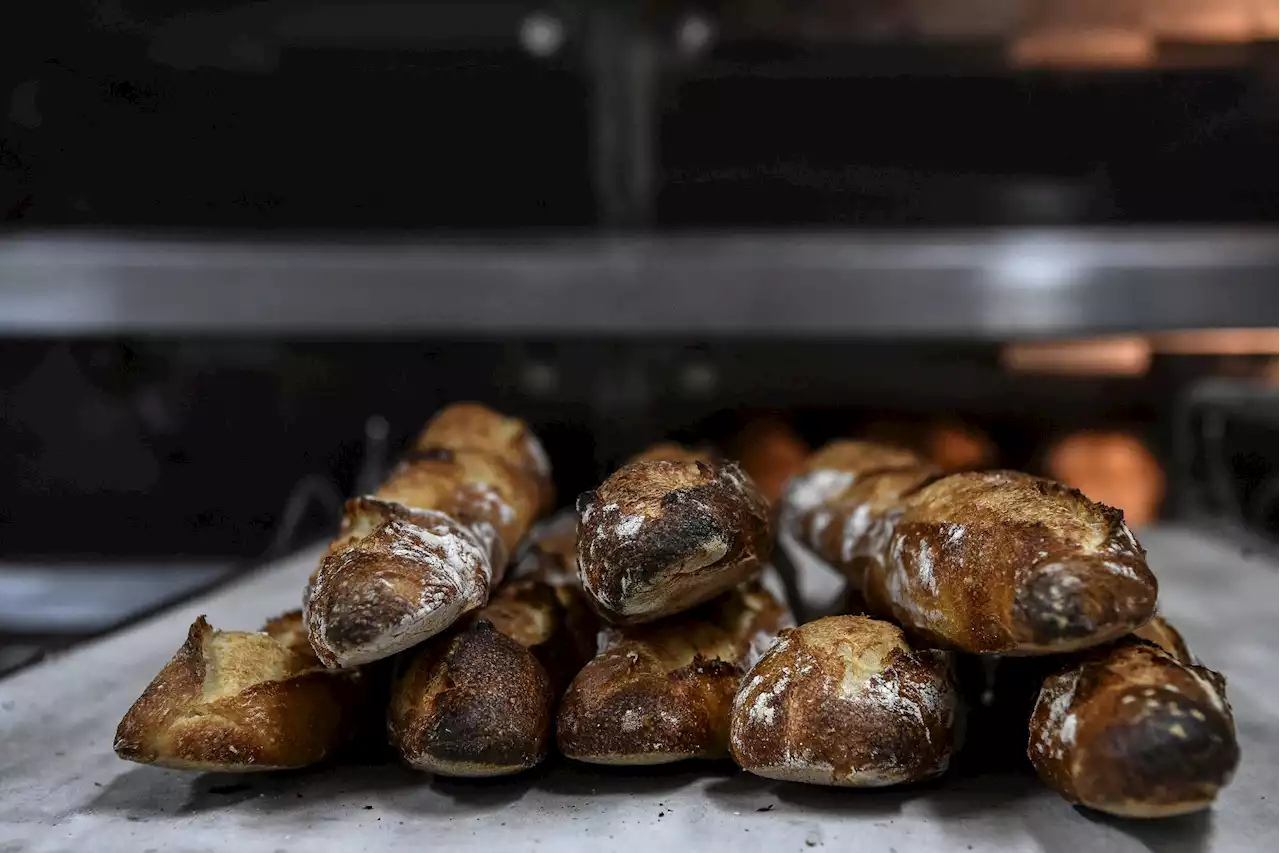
point(1129, 356)
point(1114, 468)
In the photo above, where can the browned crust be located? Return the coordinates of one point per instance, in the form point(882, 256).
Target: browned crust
point(844, 701)
point(661, 692)
point(291, 632)
point(456, 698)
point(1164, 635)
point(1130, 731)
point(478, 489)
point(995, 562)
point(473, 703)
point(1006, 562)
point(432, 543)
point(394, 577)
point(475, 427)
point(659, 537)
point(284, 711)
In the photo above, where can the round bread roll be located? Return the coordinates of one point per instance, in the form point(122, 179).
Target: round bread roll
point(660, 536)
point(844, 701)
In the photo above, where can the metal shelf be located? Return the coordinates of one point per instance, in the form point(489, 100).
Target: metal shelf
point(966, 284)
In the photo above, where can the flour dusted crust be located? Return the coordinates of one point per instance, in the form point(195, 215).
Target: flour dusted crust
point(393, 578)
point(1006, 562)
point(661, 692)
point(434, 540)
point(234, 701)
point(480, 700)
point(1129, 730)
point(475, 427)
point(660, 536)
point(993, 562)
point(844, 701)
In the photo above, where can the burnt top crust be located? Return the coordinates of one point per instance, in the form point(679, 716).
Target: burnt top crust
point(660, 536)
point(1129, 730)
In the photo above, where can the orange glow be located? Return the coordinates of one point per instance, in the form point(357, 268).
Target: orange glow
point(1095, 357)
point(1114, 468)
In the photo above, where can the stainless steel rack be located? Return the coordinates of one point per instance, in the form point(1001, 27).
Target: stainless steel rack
point(963, 284)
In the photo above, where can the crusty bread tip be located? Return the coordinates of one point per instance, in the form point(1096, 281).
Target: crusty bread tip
point(433, 542)
point(660, 536)
point(1130, 731)
point(480, 700)
point(394, 577)
point(236, 701)
point(845, 701)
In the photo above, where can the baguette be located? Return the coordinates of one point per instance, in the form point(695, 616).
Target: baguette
point(660, 536)
point(844, 701)
point(995, 562)
point(235, 701)
point(661, 692)
point(1131, 731)
point(434, 540)
point(480, 701)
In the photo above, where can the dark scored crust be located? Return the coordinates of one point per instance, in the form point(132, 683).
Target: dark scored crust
point(844, 701)
point(1130, 731)
point(452, 710)
point(660, 536)
point(661, 692)
point(475, 703)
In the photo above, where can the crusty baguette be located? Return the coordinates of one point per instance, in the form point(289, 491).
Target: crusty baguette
point(394, 577)
point(236, 701)
point(845, 701)
point(471, 426)
point(480, 701)
point(660, 536)
point(434, 540)
point(1129, 730)
point(978, 562)
point(661, 692)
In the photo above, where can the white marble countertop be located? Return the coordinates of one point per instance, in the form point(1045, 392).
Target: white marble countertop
point(62, 788)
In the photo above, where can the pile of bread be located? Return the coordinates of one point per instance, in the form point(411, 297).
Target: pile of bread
point(637, 628)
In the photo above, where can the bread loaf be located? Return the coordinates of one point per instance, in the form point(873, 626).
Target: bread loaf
point(661, 536)
point(978, 562)
point(471, 426)
point(1164, 635)
point(236, 701)
point(844, 701)
point(661, 692)
point(432, 543)
point(1129, 730)
point(480, 701)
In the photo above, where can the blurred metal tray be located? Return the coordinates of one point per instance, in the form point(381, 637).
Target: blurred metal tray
point(62, 788)
point(980, 285)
